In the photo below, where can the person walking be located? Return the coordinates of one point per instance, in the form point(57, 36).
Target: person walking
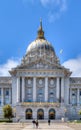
point(49, 122)
point(37, 123)
point(33, 123)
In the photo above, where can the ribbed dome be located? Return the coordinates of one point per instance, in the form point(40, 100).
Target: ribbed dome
point(40, 50)
point(39, 44)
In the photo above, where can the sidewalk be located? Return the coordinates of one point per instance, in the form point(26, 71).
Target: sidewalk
point(45, 126)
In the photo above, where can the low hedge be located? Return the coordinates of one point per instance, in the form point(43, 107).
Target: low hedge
point(6, 120)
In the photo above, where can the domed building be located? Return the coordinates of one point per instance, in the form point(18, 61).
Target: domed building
point(40, 87)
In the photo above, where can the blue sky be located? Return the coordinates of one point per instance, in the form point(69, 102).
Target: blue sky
point(20, 19)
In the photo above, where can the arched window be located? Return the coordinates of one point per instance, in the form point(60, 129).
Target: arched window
point(40, 114)
point(29, 114)
point(52, 114)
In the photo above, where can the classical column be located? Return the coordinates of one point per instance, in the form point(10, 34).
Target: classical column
point(34, 89)
point(70, 95)
point(46, 89)
point(78, 102)
point(2, 96)
point(57, 89)
point(23, 89)
point(10, 95)
point(62, 90)
point(18, 89)
point(67, 91)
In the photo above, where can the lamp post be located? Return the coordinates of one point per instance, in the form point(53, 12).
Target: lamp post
point(65, 110)
point(14, 111)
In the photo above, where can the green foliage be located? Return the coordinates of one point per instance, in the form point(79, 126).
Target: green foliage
point(80, 112)
point(7, 109)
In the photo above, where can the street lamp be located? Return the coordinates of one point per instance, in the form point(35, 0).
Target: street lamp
point(14, 111)
point(65, 110)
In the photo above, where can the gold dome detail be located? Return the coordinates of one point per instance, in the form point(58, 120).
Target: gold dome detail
point(40, 32)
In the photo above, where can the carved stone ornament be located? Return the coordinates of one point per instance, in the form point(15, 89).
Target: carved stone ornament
point(29, 81)
point(51, 82)
point(40, 81)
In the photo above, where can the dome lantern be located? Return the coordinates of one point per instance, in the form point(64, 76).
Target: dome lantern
point(40, 33)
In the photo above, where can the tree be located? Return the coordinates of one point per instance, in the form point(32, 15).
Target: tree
point(80, 113)
point(8, 113)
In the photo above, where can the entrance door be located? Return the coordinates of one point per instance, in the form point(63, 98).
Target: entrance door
point(28, 114)
point(40, 114)
point(51, 114)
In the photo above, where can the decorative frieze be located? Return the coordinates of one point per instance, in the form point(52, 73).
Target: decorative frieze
point(75, 80)
point(41, 74)
point(40, 104)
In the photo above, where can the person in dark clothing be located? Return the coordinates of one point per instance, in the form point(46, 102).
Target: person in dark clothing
point(49, 122)
point(37, 123)
point(33, 123)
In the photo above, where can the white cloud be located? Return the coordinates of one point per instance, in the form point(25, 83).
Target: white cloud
point(4, 68)
point(74, 65)
point(55, 8)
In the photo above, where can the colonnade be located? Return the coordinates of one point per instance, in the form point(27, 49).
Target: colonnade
point(58, 85)
point(77, 96)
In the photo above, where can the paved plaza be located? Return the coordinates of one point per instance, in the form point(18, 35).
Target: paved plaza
point(42, 126)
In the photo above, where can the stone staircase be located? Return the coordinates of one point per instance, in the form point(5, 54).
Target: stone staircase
point(41, 121)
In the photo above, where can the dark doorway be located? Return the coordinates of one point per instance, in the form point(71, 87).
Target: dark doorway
point(28, 114)
point(52, 114)
point(40, 114)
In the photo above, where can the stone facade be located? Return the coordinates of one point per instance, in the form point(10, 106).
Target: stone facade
point(40, 87)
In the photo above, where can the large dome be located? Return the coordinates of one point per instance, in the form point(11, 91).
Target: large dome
point(40, 50)
point(39, 44)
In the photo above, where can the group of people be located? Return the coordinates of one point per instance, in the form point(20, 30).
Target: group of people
point(36, 123)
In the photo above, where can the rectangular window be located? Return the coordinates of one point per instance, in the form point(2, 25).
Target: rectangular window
point(7, 92)
point(0, 102)
point(80, 92)
point(29, 91)
point(40, 91)
point(0, 91)
point(6, 100)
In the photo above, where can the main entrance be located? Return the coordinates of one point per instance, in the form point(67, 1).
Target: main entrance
point(40, 114)
point(28, 114)
point(51, 114)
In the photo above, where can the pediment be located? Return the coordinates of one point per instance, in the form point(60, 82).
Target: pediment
point(40, 64)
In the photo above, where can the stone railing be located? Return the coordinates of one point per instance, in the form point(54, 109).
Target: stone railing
point(40, 104)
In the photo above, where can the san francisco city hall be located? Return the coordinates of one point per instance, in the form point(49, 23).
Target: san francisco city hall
point(40, 87)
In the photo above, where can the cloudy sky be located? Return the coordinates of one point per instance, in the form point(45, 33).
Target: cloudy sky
point(19, 21)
